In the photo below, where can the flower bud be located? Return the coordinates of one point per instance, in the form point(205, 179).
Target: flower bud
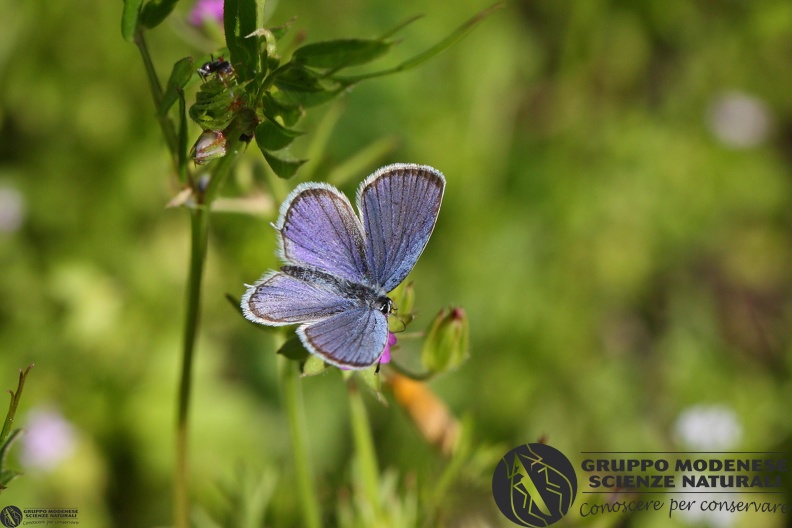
point(210, 145)
point(403, 300)
point(446, 344)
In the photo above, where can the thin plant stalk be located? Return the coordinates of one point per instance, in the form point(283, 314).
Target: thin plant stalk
point(199, 228)
point(199, 225)
point(292, 397)
point(364, 449)
point(156, 93)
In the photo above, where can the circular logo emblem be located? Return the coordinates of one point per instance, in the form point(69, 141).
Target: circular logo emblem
point(10, 516)
point(534, 485)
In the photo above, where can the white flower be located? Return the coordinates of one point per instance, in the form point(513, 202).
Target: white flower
point(703, 427)
point(739, 120)
point(708, 428)
point(12, 209)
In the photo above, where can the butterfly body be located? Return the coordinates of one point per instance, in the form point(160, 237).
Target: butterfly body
point(340, 265)
point(361, 294)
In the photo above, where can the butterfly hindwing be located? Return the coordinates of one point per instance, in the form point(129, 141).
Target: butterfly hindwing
point(279, 299)
point(353, 338)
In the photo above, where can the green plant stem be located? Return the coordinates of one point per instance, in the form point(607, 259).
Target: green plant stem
point(292, 396)
point(423, 376)
point(156, 93)
point(15, 396)
point(364, 448)
point(199, 241)
point(199, 225)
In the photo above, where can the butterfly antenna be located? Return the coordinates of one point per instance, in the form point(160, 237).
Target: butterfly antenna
point(404, 325)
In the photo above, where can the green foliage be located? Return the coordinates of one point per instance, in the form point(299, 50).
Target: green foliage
point(271, 135)
point(217, 103)
point(8, 435)
point(7, 475)
point(129, 18)
point(446, 345)
point(239, 22)
point(279, 94)
point(337, 54)
point(293, 349)
point(180, 75)
point(155, 12)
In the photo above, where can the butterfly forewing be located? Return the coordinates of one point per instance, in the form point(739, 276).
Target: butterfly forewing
point(319, 229)
point(354, 338)
point(398, 205)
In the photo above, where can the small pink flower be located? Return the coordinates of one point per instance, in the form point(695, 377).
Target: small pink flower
point(385, 357)
point(49, 438)
point(206, 10)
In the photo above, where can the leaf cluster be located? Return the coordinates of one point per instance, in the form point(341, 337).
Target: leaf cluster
point(266, 92)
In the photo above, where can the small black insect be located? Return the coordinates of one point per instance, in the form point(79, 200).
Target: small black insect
point(220, 66)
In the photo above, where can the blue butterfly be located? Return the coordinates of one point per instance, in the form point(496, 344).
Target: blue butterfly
point(339, 267)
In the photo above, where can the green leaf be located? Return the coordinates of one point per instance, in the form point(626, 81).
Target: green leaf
point(289, 112)
point(447, 42)
point(283, 164)
point(300, 86)
point(294, 349)
point(182, 138)
point(271, 135)
point(400, 26)
point(294, 77)
point(155, 12)
point(15, 434)
point(340, 53)
point(180, 75)
point(6, 477)
point(239, 21)
point(129, 18)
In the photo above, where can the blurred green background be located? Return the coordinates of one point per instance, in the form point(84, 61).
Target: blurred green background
point(617, 225)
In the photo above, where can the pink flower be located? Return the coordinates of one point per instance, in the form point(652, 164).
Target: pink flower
point(206, 10)
point(49, 438)
point(385, 357)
